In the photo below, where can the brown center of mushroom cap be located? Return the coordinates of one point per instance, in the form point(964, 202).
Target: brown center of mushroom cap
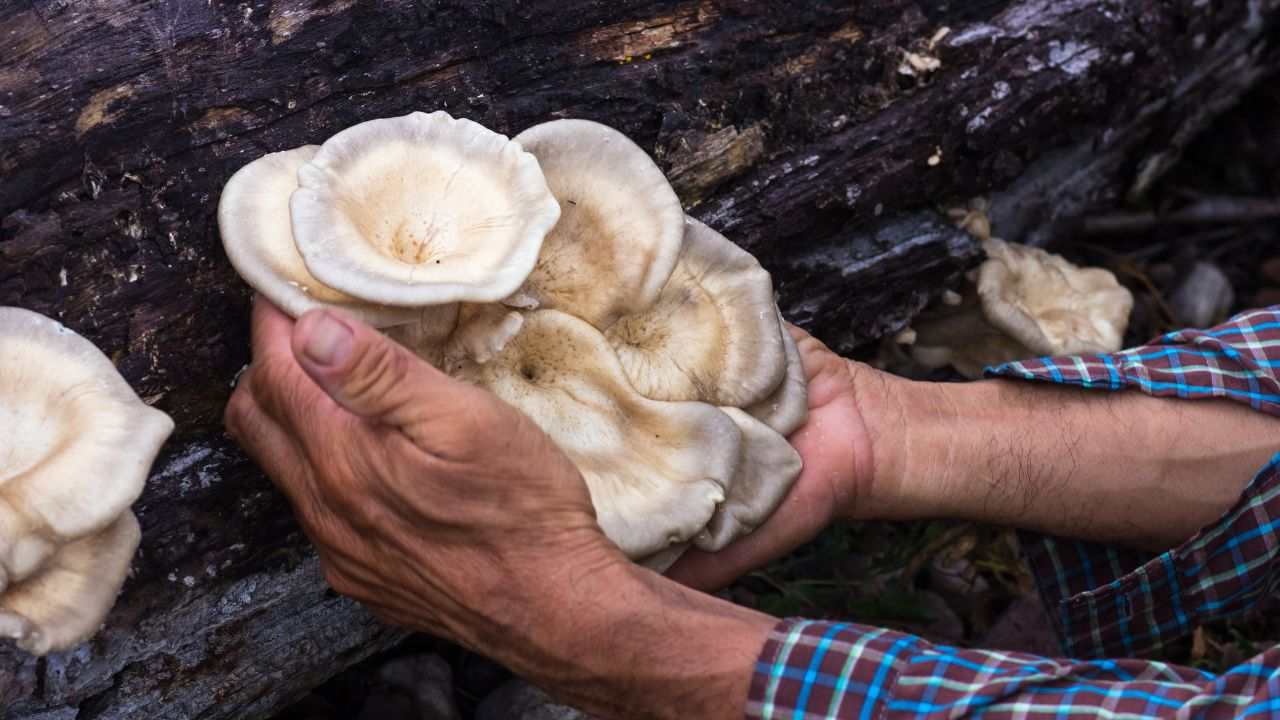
point(416, 213)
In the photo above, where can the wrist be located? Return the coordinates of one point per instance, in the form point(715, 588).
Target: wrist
point(621, 641)
point(927, 436)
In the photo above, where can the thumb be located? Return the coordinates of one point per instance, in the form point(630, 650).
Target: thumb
point(366, 372)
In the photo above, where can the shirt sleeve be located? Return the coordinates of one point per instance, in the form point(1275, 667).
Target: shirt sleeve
point(1105, 601)
point(1109, 601)
point(811, 669)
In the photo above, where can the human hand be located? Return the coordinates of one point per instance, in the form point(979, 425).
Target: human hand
point(836, 443)
point(431, 501)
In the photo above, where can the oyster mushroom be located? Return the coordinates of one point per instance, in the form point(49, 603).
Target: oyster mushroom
point(619, 219)
point(421, 210)
point(787, 407)
point(257, 234)
point(712, 334)
point(766, 467)
point(76, 452)
point(572, 286)
point(64, 602)
point(656, 470)
point(1024, 302)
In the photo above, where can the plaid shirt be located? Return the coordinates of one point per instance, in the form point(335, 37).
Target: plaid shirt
point(1104, 601)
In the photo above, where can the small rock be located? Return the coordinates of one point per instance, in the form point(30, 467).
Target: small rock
point(1203, 297)
point(518, 700)
point(417, 687)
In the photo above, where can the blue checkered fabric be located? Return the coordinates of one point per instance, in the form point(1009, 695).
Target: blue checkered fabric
point(1106, 602)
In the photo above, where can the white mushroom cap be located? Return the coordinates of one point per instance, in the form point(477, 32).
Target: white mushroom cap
point(1027, 303)
point(1050, 305)
point(78, 443)
point(712, 334)
point(65, 601)
point(656, 470)
point(767, 467)
point(421, 210)
point(257, 234)
point(787, 407)
point(620, 225)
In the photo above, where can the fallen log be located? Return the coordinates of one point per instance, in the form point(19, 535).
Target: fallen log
point(821, 136)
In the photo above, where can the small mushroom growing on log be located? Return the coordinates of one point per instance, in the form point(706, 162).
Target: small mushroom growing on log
point(1024, 302)
point(77, 448)
point(645, 344)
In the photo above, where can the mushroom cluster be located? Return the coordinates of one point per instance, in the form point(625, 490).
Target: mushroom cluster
point(77, 448)
point(1021, 302)
point(558, 270)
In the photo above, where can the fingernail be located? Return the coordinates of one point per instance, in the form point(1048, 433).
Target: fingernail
point(328, 341)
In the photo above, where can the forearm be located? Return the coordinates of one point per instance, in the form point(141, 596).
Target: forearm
point(627, 643)
point(1110, 467)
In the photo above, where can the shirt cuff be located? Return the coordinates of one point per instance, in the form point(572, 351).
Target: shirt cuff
point(811, 668)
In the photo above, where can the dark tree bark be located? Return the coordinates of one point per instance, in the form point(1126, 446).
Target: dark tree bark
point(788, 126)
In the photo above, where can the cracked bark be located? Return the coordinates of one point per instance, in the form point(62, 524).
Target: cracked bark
point(788, 128)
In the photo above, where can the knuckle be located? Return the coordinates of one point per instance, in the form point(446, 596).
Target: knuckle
point(236, 413)
point(380, 370)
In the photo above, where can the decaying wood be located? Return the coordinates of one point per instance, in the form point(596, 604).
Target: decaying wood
point(801, 130)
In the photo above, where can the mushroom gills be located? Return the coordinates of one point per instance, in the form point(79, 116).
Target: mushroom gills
point(712, 334)
point(656, 470)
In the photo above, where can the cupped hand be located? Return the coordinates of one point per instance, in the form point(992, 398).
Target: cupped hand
point(836, 446)
point(431, 501)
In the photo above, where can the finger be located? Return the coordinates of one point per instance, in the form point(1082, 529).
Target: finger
point(374, 377)
point(279, 385)
point(266, 442)
point(270, 329)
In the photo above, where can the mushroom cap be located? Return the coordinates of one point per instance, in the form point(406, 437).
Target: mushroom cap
point(620, 225)
point(787, 407)
point(65, 602)
point(767, 467)
point(1025, 302)
point(421, 210)
point(656, 470)
point(961, 336)
point(713, 332)
point(78, 443)
point(1049, 305)
point(257, 234)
